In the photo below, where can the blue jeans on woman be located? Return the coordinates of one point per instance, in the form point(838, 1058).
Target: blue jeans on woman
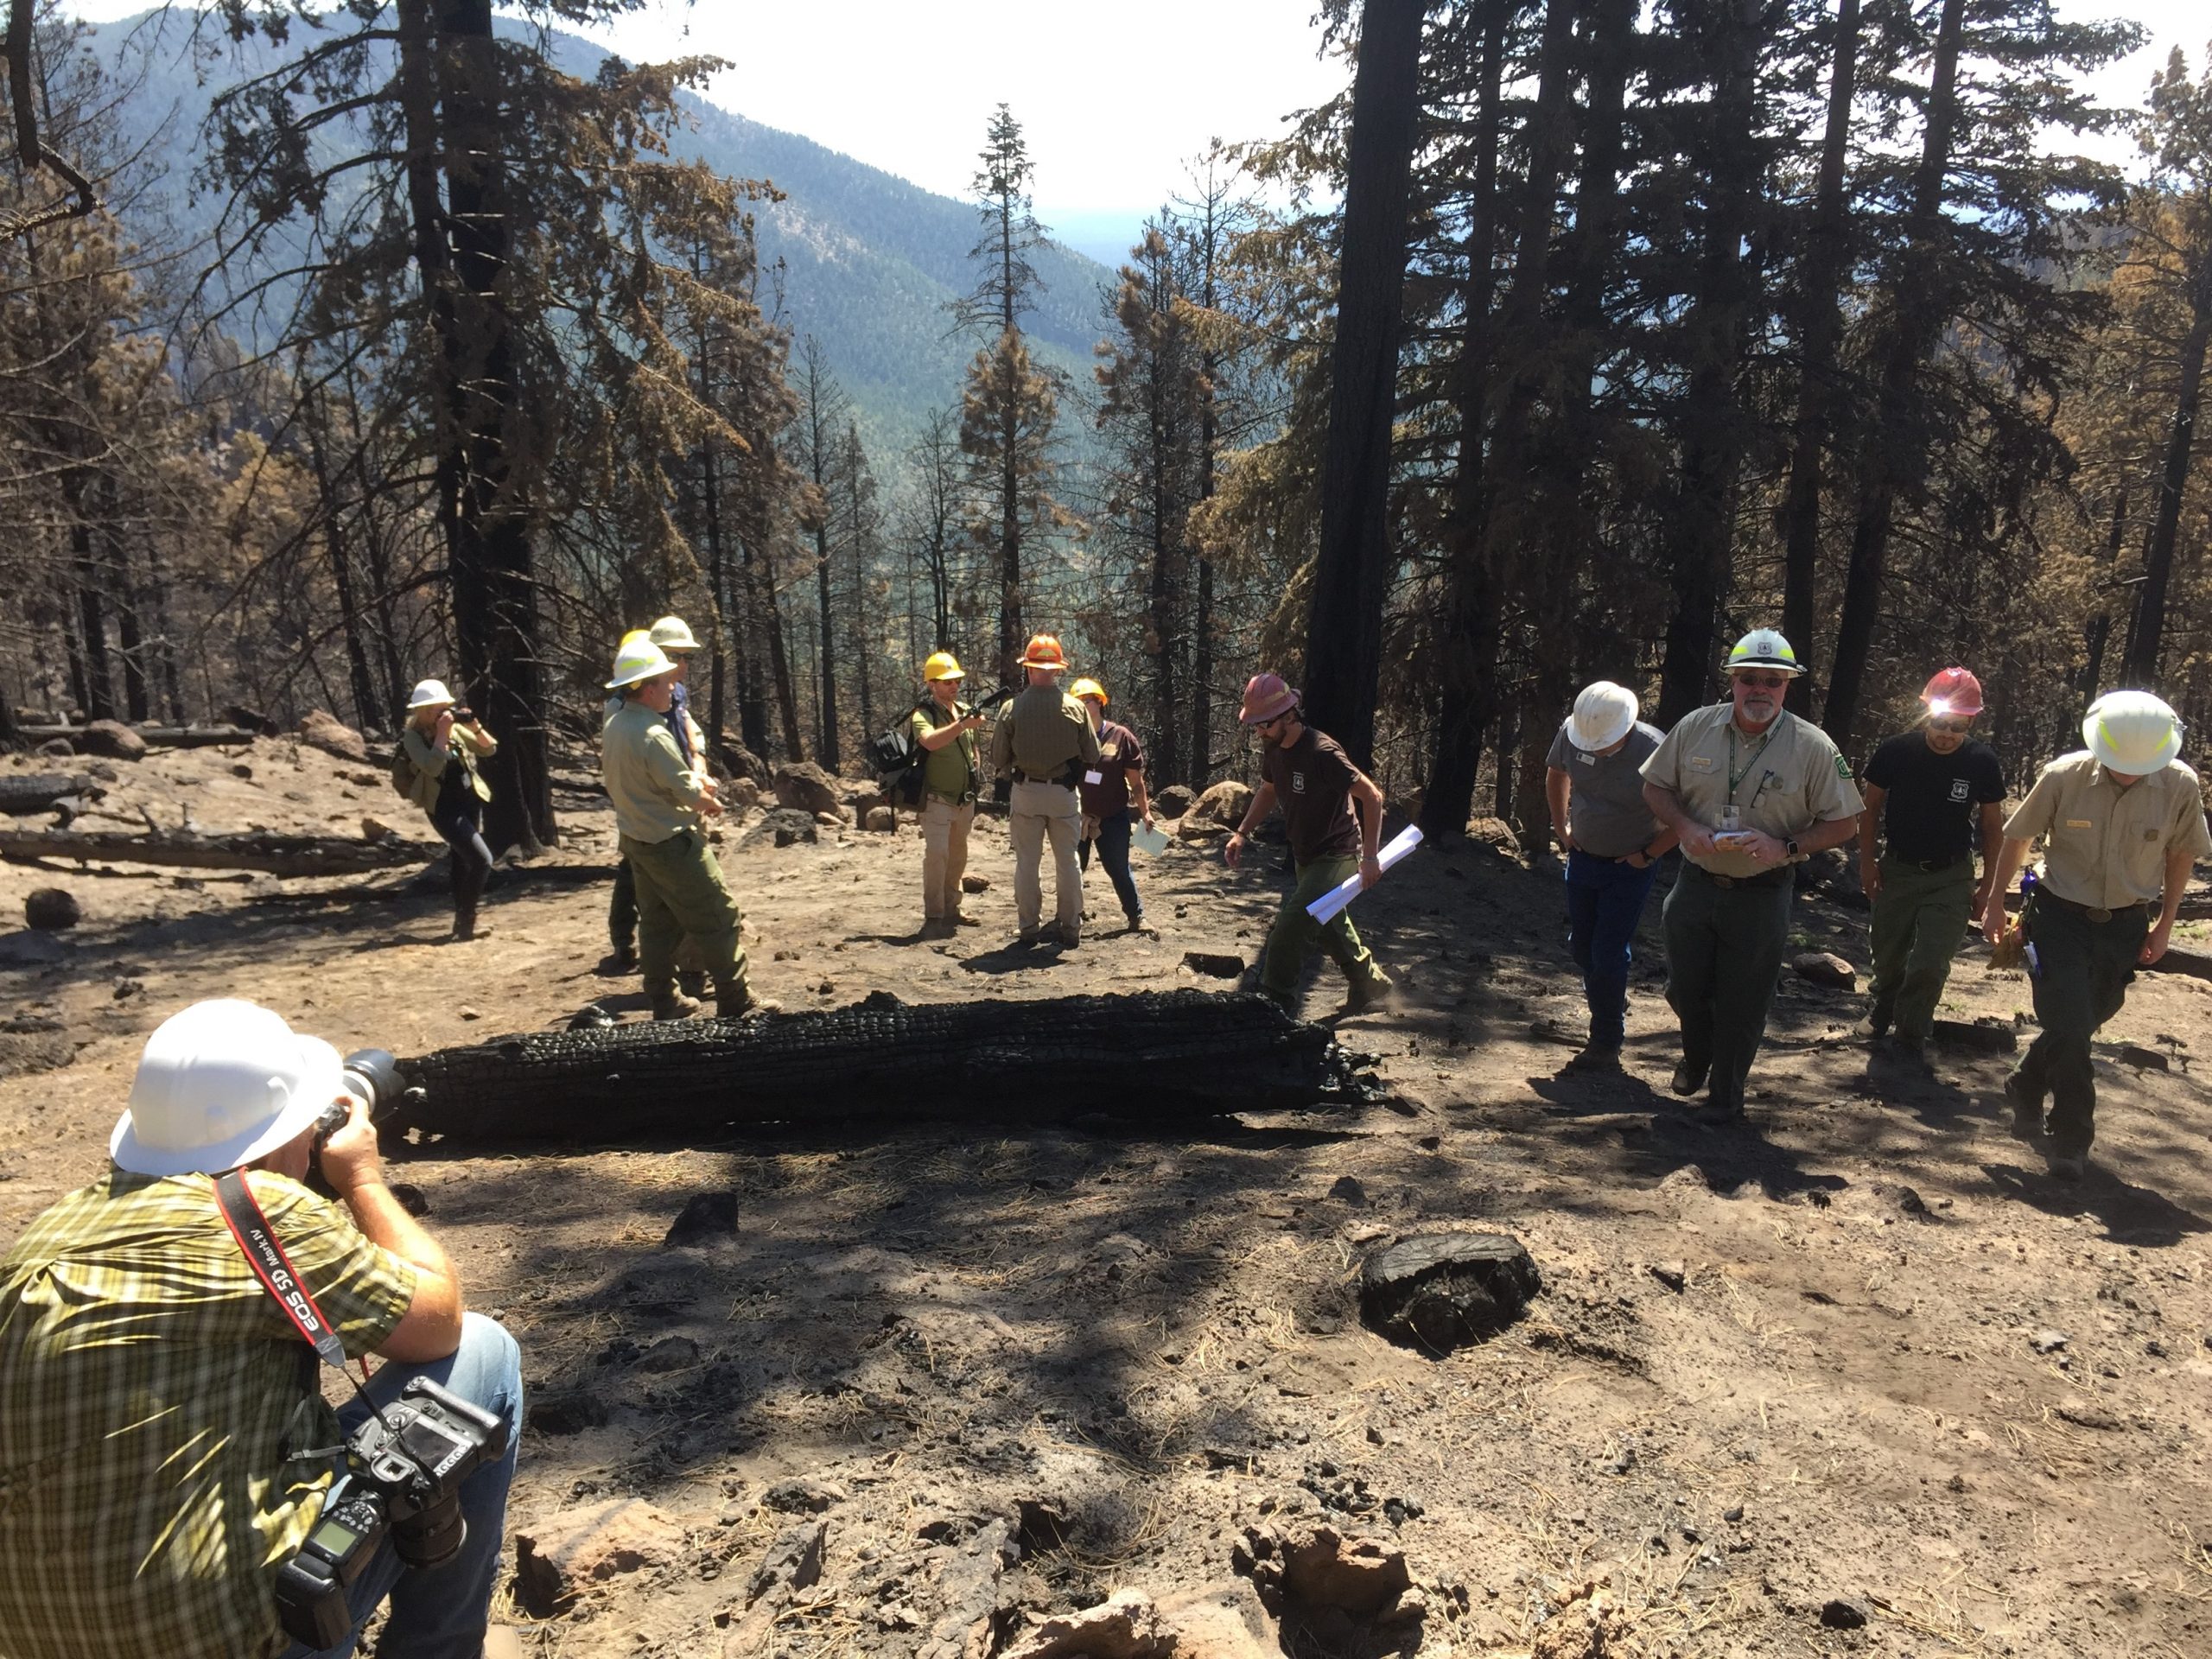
point(1605, 903)
point(1113, 843)
point(440, 1612)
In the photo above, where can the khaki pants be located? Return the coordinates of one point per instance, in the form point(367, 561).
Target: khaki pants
point(1039, 811)
point(945, 856)
point(681, 896)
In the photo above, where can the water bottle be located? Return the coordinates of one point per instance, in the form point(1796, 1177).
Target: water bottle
point(2028, 955)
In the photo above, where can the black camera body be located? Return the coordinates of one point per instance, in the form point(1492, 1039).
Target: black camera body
point(404, 1470)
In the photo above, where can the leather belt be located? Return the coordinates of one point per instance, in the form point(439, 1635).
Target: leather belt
point(2096, 913)
point(1774, 878)
point(1021, 777)
point(1930, 865)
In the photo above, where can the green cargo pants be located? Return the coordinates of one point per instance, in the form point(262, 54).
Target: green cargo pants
point(1295, 934)
point(2081, 975)
point(1724, 954)
point(681, 895)
point(1919, 922)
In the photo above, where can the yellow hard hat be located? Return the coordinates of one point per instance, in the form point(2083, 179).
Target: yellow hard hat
point(1088, 688)
point(638, 658)
point(942, 665)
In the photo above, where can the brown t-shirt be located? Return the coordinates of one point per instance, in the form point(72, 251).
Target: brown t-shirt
point(1120, 754)
point(1313, 780)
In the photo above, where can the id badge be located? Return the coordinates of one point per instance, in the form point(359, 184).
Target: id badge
point(1094, 777)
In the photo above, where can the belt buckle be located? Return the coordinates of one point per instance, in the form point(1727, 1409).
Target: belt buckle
point(2099, 914)
point(1723, 881)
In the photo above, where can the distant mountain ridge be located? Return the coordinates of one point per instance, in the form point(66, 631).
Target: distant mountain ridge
point(870, 263)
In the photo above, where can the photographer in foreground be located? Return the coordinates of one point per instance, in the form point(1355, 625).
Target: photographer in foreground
point(164, 1445)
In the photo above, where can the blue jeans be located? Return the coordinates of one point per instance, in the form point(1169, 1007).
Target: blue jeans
point(441, 1613)
point(1604, 902)
point(1113, 843)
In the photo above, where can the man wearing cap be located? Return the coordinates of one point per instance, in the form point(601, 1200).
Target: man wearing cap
point(1047, 740)
point(1751, 790)
point(1113, 793)
point(1933, 796)
point(1307, 773)
point(945, 727)
point(2121, 823)
point(1593, 780)
point(440, 746)
point(673, 635)
point(164, 1445)
point(659, 805)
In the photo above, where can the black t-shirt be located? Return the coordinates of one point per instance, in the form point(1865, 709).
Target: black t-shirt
point(1934, 800)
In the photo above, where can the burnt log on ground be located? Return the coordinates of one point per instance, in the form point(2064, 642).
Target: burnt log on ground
point(295, 855)
point(1442, 1291)
point(157, 737)
point(1159, 1055)
point(39, 791)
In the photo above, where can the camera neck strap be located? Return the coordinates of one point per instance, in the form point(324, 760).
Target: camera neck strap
point(257, 1240)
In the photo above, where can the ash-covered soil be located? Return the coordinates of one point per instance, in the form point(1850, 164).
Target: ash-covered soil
point(942, 1384)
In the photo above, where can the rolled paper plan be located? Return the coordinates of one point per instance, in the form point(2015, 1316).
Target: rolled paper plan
point(1325, 908)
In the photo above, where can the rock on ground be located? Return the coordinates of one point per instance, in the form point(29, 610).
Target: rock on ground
point(1126, 1625)
point(1443, 1290)
point(1221, 1621)
point(321, 730)
point(1824, 967)
point(1225, 804)
point(556, 1558)
point(781, 827)
point(113, 740)
point(1173, 801)
point(49, 909)
point(804, 787)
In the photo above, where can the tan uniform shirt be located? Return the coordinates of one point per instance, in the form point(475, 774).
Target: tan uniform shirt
point(1783, 781)
point(654, 794)
point(2104, 846)
point(1043, 730)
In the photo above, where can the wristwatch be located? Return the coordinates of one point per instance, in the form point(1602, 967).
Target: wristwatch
point(1792, 846)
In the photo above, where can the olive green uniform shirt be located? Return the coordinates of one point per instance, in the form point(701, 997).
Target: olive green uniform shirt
point(2104, 845)
point(949, 773)
point(1043, 731)
point(1783, 781)
point(654, 794)
point(155, 1403)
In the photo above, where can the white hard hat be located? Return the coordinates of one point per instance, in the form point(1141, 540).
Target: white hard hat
point(639, 659)
point(431, 694)
point(673, 634)
point(2131, 731)
point(1764, 648)
point(220, 1084)
point(1603, 715)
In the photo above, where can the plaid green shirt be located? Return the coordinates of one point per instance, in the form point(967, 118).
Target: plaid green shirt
point(154, 1400)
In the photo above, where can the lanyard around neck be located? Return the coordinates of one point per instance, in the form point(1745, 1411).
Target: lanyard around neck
point(1736, 775)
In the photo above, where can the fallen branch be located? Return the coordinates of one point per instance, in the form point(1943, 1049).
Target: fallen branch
point(273, 855)
point(40, 791)
point(157, 737)
point(1159, 1055)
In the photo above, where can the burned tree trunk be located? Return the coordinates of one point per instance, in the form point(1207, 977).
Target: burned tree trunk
point(1159, 1055)
point(295, 855)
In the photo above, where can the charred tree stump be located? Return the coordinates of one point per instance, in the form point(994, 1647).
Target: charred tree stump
point(1158, 1055)
point(1445, 1290)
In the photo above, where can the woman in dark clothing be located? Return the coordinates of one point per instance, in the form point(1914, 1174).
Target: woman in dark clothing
point(442, 744)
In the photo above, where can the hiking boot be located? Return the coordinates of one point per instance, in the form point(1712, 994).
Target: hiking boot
point(1876, 1026)
point(1367, 995)
point(617, 963)
point(1688, 1079)
point(1070, 937)
point(741, 1004)
point(2027, 1108)
point(1718, 1115)
point(691, 982)
point(936, 927)
point(966, 921)
point(2063, 1168)
point(1596, 1056)
point(1910, 1051)
point(1138, 925)
point(675, 1006)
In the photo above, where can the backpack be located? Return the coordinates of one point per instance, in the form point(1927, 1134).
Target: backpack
point(402, 773)
point(898, 758)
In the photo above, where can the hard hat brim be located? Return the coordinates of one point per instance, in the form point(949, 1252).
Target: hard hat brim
point(322, 1081)
point(950, 674)
point(1604, 741)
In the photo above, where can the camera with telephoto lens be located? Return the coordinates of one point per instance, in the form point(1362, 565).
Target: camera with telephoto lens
point(404, 1470)
point(372, 1077)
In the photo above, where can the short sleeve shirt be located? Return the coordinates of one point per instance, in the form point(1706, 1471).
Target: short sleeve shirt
point(153, 1402)
point(950, 771)
point(2105, 845)
point(1783, 781)
point(1932, 801)
point(1119, 754)
point(1313, 780)
point(1605, 792)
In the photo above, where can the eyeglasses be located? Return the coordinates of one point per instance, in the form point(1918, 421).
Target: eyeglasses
point(1950, 723)
point(1764, 682)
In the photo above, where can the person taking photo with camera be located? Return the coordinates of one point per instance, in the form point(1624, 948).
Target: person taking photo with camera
point(164, 1445)
point(439, 748)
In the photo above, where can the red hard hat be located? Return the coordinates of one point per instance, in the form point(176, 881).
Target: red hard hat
point(1265, 696)
point(1954, 692)
point(1044, 652)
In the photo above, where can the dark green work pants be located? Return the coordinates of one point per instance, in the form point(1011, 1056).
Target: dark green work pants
point(681, 895)
point(1295, 934)
point(2081, 978)
point(1919, 922)
point(1724, 952)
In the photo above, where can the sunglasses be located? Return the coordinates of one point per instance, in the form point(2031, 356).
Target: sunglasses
point(1950, 723)
point(1764, 682)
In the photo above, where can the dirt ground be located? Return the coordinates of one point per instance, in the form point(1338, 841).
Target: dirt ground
point(1010, 1372)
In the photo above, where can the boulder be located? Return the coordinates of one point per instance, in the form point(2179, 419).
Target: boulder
point(1225, 805)
point(706, 1218)
point(782, 826)
point(1441, 1291)
point(1824, 967)
point(974, 884)
point(113, 740)
point(738, 760)
point(740, 795)
point(1191, 827)
point(882, 819)
point(793, 1561)
point(1126, 1625)
point(1173, 801)
point(804, 787)
point(51, 909)
point(56, 748)
point(1221, 1621)
point(1494, 832)
point(557, 1557)
point(321, 730)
